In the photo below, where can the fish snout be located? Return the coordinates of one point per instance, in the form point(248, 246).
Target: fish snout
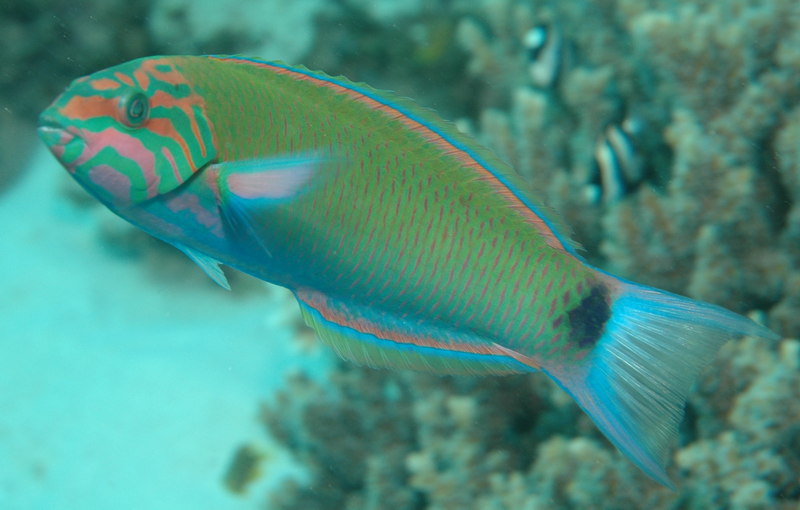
point(52, 130)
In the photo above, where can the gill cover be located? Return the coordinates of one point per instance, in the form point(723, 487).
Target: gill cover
point(131, 132)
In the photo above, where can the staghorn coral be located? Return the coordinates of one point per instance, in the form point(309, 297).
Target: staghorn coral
point(351, 436)
point(569, 473)
point(747, 457)
point(371, 438)
point(190, 27)
point(727, 102)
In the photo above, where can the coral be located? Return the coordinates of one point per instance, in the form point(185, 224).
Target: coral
point(417, 441)
point(784, 315)
point(753, 462)
point(427, 435)
point(568, 473)
point(727, 100)
point(723, 474)
point(391, 46)
point(202, 27)
point(388, 11)
point(351, 436)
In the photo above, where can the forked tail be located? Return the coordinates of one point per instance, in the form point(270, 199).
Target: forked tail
point(635, 382)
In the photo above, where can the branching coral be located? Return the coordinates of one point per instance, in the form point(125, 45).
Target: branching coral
point(752, 463)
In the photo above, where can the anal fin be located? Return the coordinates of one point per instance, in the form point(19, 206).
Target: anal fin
point(379, 338)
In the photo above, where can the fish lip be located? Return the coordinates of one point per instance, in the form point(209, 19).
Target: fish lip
point(49, 119)
point(54, 133)
point(50, 129)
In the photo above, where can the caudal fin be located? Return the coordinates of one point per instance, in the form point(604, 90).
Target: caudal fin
point(635, 383)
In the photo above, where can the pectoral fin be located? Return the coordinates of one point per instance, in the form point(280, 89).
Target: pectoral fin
point(249, 186)
point(271, 179)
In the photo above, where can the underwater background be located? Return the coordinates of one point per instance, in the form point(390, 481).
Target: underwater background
point(665, 133)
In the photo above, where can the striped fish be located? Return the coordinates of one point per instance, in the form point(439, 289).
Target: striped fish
point(545, 55)
point(406, 244)
point(619, 168)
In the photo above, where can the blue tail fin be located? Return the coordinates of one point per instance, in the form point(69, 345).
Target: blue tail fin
point(635, 382)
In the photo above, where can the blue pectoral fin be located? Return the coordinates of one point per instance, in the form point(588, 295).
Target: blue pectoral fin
point(379, 338)
point(209, 265)
point(249, 186)
point(635, 382)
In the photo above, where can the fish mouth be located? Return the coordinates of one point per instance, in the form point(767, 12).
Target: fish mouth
point(54, 136)
point(52, 132)
point(64, 142)
point(57, 137)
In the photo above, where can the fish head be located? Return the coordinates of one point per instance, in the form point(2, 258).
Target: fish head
point(132, 132)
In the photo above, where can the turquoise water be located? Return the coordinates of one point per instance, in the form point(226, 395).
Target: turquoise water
point(129, 380)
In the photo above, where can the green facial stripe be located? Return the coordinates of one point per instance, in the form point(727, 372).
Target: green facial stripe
point(113, 177)
point(176, 138)
point(204, 130)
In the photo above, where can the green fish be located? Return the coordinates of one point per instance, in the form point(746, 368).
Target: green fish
point(406, 244)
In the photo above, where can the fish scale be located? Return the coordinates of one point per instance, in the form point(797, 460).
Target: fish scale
point(406, 244)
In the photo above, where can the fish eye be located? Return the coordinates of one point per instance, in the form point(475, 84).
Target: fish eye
point(134, 109)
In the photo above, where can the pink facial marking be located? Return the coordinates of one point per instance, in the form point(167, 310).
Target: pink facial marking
point(126, 146)
point(189, 202)
point(111, 180)
point(58, 149)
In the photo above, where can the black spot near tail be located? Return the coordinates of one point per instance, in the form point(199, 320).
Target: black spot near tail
point(589, 317)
